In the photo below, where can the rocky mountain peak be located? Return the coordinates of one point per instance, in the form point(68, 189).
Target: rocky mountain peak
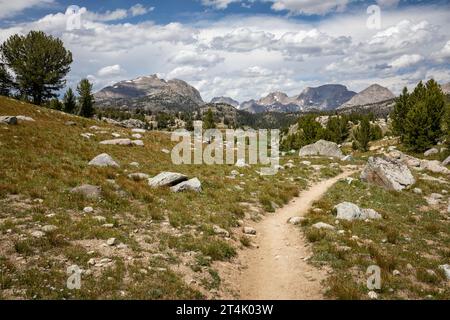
point(373, 94)
point(225, 100)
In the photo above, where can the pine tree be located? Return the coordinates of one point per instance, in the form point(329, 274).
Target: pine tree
point(55, 104)
point(39, 62)
point(418, 136)
point(310, 129)
point(85, 99)
point(208, 121)
point(398, 116)
point(362, 134)
point(6, 82)
point(337, 129)
point(69, 101)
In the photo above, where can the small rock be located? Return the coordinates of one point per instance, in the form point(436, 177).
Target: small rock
point(295, 220)
point(70, 123)
point(134, 164)
point(240, 163)
point(49, 228)
point(103, 160)
point(88, 210)
point(88, 191)
point(37, 234)
point(430, 152)
point(99, 218)
point(446, 162)
point(323, 225)
point(417, 191)
point(138, 143)
point(373, 295)
point(165, 151)
point(396, 273)
point(446, 268)
point(138, 176)
point(137, 135)
point(220, 231)
point(306, 163)
point(249, 230)
point(166, 179)
point(137, 130)
point(111, 242)
point(192, 185)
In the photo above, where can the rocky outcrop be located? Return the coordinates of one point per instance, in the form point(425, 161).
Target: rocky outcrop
point(387, 173)
point(446, 162)
point(350, 211)
point(322, 148)
point(103, 160)
point(166, 179)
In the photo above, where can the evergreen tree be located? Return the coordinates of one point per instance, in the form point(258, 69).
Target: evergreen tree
point(6, 82)
point(69, 101)
point(362, 134)
point(55, 104)
point(85, 99)
point(208, 121)
point(401, 108)
point(310, 129)
point(418, 136)
point(39, 62)
point(337, 129)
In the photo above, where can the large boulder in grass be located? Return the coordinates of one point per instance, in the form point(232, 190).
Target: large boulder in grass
point(321, 148)
point(190, 185)
point(166, 179)
point(103, 160)
point(350, 211)
point(387, 173)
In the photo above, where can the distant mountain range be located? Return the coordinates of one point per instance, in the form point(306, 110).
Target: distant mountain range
point(154, 94)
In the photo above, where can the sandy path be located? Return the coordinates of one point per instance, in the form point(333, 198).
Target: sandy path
point(277, 269)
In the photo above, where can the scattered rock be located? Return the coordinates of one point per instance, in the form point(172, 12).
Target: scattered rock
point(396, 273)
point(99, 218)
point(49, 228)
point(434, 166)
point(37, 234)
point(430, 152)
point(103, 160)
point(88, 191)
point(323, 225)
point(446, 268)
point(87, 135)
point(234, 173)
point(322, 148)
point(165, 151)
point(240, 163)
point(220, 231)
point(10, 120)
point(295, 220)
point(446, 162)
point(70, 123)
point(111, 242)
point(166, 179)
point(137, 136)
point(350, 211)
point(88, 210)
point(138, 176)
point(347, 158)
point(137, 130)
point(417, 191)
point(134, 164)
point(133, 123)
point(120, 142)
point(138, 143)
point(373, 295)
point(306, 163)
point(192, 184)
point(249, 230)
point(387, 173)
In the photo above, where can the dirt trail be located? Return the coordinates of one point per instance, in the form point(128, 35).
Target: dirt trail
point(277, 269)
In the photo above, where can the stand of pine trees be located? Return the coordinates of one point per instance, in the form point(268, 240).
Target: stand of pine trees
point(419, 117)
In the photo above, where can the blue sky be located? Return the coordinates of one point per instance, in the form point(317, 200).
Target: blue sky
point(246, 48)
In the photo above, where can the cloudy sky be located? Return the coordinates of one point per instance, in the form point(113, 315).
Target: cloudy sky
point(245, 48)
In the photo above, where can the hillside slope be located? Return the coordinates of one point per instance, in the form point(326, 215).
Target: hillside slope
point(165, 242)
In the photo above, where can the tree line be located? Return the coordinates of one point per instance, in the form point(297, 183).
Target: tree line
point(33, 68)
